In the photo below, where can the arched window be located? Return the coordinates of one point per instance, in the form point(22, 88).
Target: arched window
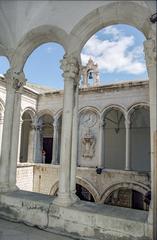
point(140, 139)
point(114, 140)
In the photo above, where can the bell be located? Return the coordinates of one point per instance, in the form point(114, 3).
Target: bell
point(90, 75)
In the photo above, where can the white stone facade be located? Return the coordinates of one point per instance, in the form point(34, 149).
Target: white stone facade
point(20, 35)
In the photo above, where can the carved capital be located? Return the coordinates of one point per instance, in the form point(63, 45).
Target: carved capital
point(150, 52)
point(70, 67)
point(127, 123)
point(15, 79)
point(102, 123)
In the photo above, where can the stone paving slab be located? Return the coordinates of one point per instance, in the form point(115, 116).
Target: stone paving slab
point(19, 231)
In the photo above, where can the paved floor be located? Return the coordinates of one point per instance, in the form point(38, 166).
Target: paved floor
point(19, 231)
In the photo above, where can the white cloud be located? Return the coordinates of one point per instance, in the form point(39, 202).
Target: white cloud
point(119, 54)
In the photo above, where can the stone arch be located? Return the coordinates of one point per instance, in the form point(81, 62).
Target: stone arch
point(139, 124)
point(88, 135)
point(84, 183)
point(136, 105)
point(109, 14)
point(139, 187)
point(58, 114)
point(44, 112)
point(89, 108)
point(111, 107)
point(33, 39)
point(31, 111)
point(113, 120)
point(54, 188)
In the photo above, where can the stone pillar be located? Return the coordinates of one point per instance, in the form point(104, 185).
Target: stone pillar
point(10, 136)
point(74, 146)
point(55, 141)
point(19, 143)
point(31, 147)
point(1, 131)
point(127, 146)
point(101, 144)
point(70, 72)
point(20, 82)
point(150, 55)
point(38, 152)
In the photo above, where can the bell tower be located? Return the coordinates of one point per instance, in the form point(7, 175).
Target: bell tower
point(90, 71)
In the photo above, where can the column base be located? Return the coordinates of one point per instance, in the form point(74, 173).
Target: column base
point(4, 187)
point(64, 200)
point(74, 197)
point(127, 169)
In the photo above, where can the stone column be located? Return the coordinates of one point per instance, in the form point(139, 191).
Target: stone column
point(8, 161)
point(55, 141)
point(19, 143)
point(150, 55)
point(18, 85)
point(70, 71)
point(31, 147)
point(127, 145)
point(38, 152)
point(1, 131)
point(101, 144)
point(74, 144)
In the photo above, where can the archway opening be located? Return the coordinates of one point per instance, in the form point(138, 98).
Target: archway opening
point(4, 66)
point(128, 198)
point(114, 140)
point(140, 139)
point(112, 55)
point(44, 146)
point(42, 68)
point(83, 193)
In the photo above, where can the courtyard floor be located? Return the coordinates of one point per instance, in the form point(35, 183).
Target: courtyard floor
point(18, 231)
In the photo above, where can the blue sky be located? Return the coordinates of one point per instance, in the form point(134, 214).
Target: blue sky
point(117, 49)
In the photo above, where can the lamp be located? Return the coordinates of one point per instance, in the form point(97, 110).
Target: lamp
point(153, 18)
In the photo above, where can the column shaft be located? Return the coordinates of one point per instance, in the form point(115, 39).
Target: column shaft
point(55, 142)
point(70, 69)
point(6, 136)
point(15, 141)
point(1, 132)
point(127, 147)
point(19, 144)
point(101, 144)
point(8, 161)
point(74, 145)
point(31, 148)
point(150, 55)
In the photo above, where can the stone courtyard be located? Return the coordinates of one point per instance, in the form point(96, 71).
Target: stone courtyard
point(76, 163)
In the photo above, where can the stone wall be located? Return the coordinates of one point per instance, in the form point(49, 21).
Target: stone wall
point(44, 179)
point(24, 177)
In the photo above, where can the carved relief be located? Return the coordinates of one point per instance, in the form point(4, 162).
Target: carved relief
point(88, 119)
point(15, 80)
point(88, 142)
